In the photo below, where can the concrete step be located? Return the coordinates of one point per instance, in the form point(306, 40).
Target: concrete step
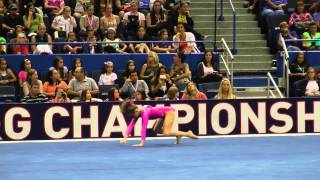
point(239, 37)
point(211, 4)
point(248, 43)
point(228, 31)
point(250, 65)
point(210, 10)
point(226, 24)
point(247, 51)
point(257, 93)
point(257, 58)
point(210, 17)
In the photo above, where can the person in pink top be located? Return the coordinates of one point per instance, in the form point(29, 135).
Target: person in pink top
point(191, 92)
point(25, 67)
point(166, 115)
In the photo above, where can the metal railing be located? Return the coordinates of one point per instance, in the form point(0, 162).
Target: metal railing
point(227, 58)
point(234, 32)
point(270, 79)
point(286, 67)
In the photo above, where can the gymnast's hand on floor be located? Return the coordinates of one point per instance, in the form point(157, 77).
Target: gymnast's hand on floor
point(123, 140)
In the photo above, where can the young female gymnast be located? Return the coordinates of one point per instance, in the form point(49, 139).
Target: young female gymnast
point(166, 115)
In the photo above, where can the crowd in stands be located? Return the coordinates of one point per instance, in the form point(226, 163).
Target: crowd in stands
point(297, 21)
point(102, 24)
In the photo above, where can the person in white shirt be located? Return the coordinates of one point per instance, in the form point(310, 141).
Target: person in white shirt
point(108, 77)
point(64, 23)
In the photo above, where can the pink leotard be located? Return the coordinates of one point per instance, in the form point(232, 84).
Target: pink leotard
point(147, 113)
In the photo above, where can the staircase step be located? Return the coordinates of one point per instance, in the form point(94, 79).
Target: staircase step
point(250, 65)
point(248, 43)
point(210, 10)
point(240, 37)
point(210, 17)
point(263, 58)
point(211, 4)
point(228, 31)
point(226, 24)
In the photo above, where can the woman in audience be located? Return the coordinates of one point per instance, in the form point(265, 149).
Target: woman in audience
point(142, 47)
point(298, 70)
point(312, 36)
point(54, 81)
point(32, 77)
point(72, 48)
point(133, 19)
point(131, 67)
point(31, 19)
point(41, 37)
point(86, 96)
point(114, 95)
point(172, 94)
point(25, 67)
point(81, 7)
point(180, 73)
point(206, 71)
point(7, 77)
point(156, 19)
point(182, 35)
point(148, 69)
point(163, 47)
point(191, 92)
point(300, 19)
point(141, 96)
point(76, 63)
point(160, 83)
point(113, 43)
point(58, 64)
point(109, 20)
point(225, 90)
point(89, 21)
point(108, 77)
point(60, 96)
point(308, 86)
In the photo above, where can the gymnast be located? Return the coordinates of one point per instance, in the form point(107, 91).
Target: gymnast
point(163, 125)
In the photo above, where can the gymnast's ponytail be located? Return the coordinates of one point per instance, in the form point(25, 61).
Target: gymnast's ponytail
point(128, 108)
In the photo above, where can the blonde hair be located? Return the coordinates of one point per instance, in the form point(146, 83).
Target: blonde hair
point(284, 24)
point(155, 56)
point(220, 93)
point(187, 92)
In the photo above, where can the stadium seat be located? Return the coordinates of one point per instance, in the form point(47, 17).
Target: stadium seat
point(210, 89)
point(104, 89)
point(7, 94)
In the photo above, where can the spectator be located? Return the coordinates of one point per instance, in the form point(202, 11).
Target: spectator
point(89, 21)
point(160, 83)
point(225, 90)
point(191, 92)
point(308, 86)
point(58, 64)
point(25, 67)
point(131, 67)
point(113, 43)
point(7, 76)
point(54, 81)
point(109, 20)
point(300, 19)
point(73, 47)
point(182, 35)
point(133, 19)
point(288, 35)
point(11, 20)
point(60, 96)
point(142, 47)
point(87, 97)
point(3, 11)
point(35, 95)
point(172, 94)
point(274, 7)
point(114, 95)
point(149, 69)
point(64, 23)
point(298, 70)
point(20, 40)
point(108, 77)
point(31, 19)
point(3, 47)
point(156, 19)
point(80, 83)
point(32, 77)
point(132, 85)
point(316, 15)
point(206, 71)
point(81, 7)
point(180, 72)
point(163, 47)
point(140, 95)
point(41, 37)
point(53, 7)
point(76, 63)
point(312, 35)
point(92, 47)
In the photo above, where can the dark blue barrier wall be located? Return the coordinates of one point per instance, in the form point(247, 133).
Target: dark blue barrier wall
point(95, 62)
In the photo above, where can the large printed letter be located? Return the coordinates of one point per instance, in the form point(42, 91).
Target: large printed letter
point(288, 122)
point(115, 114)
point(25, 125)
point(303, 117)
point(48, 122)
point(215, 118)
point(248, 115)
point(92, 121)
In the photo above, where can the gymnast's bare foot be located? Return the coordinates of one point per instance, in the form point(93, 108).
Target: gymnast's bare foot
point(191, 135)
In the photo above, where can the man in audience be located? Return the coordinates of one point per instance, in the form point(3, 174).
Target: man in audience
point(35, 96)
point(12, 20)
point(132, 85)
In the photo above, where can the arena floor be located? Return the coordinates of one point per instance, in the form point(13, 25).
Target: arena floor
point(290, 157)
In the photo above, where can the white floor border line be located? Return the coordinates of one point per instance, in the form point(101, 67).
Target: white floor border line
point(159, 138)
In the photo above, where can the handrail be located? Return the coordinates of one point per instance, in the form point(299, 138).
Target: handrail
point(286, 68)
point(227, 47)
point(227, 52)
point(271, 92)
point(234, 32)
point(270, 78)
point(226, 66)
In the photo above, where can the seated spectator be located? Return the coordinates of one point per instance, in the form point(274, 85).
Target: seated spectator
point(160, 83)
point(3, 10)
point(288, 35)
point(73, 47)
point(180, 73)
point(206, 72)
point(142, 47)
point(7, 77)
point(156, 19)
point(131, 67)
point(133, 19)
point(63, 24)
point(274, 7)
point(308, 86)
point(182, 35)
point(81, 7)
point(163, 47)
point(41, 37)
point(35, 95)
point(312, 37)
point(298, 70)
point(11, 20)
point(114, 95)
point(32, 77)
point(149, 69)
point(300, 19)
point(316, 15)
point(132, 85)
point(60, 96)
point(31, 19)
point(191, 92)
point(80, 83)
point(108, 77)
point(54, 81)
point(87, 97)
point(53, 7)
point(140, 96)
point(92, 47)
point(172, 94)
point(20, 40)
point(75, 64)
point(109, 20)
point(3, 47)
point(58, 64)
point(89, 21)
point(24, 69)
point(113, 43)
point(225, 90)
point(120, 7)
